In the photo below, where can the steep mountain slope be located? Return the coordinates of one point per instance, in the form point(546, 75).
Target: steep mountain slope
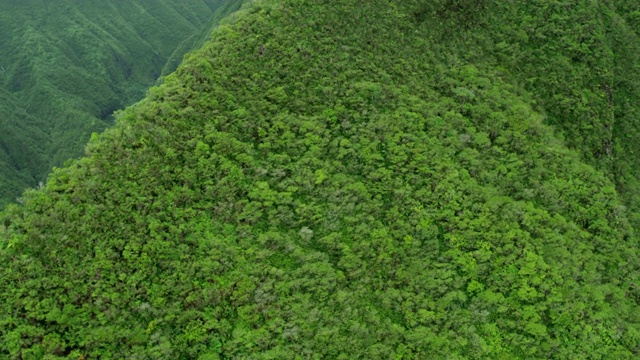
point(65, 66)
point(582, 62)
point(21, 146)
point(327, 179)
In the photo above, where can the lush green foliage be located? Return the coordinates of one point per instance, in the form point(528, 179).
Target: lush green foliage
point(582, 62)
point(65, 66)
point(335, 179)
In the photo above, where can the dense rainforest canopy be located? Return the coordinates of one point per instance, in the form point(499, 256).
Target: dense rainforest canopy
point(380, 179)
point(66, 65)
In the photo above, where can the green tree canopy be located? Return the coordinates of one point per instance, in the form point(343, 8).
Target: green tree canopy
point(334, 179)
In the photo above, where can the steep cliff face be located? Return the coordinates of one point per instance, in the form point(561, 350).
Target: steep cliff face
point(66, 66)
point(332, 179)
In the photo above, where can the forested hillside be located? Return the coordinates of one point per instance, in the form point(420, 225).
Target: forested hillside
point(581, 60)
point(66, 65)
point(381, 179)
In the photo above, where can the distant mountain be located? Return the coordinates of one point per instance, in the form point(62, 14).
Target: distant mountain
point(66, 65)
point(380, 179)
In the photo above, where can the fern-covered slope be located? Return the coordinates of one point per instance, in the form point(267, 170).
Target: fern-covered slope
point(326, 180)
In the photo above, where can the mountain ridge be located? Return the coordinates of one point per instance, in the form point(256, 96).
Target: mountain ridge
point(326, 179)
point(69, 65)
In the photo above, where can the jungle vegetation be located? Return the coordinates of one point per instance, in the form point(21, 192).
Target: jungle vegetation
point(380, 179)
point(66, 65)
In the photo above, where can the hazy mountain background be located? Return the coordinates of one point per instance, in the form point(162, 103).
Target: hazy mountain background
point(65, 66)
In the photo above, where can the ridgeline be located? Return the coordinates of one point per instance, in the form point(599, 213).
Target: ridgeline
point(65, 66)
